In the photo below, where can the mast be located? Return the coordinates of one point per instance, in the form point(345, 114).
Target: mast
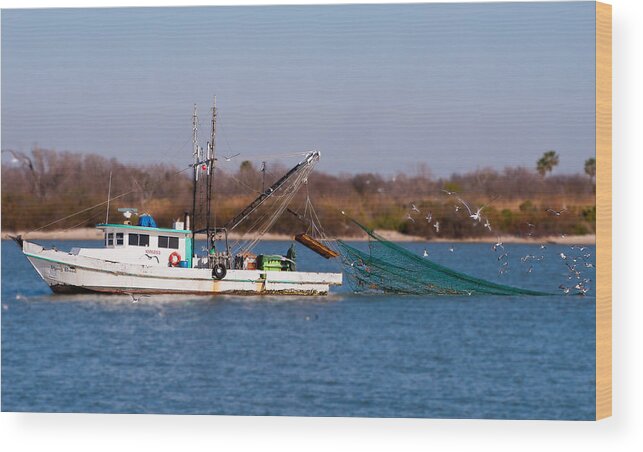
point(210, 169)
point(204, 160)
point(195, 167)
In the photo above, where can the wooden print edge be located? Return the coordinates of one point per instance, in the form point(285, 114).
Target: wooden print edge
point(603, 210)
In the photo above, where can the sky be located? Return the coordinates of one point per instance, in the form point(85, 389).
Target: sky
point(375, 88)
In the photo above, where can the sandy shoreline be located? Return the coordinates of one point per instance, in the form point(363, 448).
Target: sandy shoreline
point(94, 234)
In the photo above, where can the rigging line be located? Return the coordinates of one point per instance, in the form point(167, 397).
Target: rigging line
point(84, 221)
point(294, 189)
point(254, 190)
point(92, 207)
point(267, 156)
point(272, 195)
point(220, 117)
point(263, 230)
point(246, 244)
point(241, 243)
point(81, 211)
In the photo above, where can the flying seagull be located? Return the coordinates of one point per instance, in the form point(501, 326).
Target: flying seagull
point(228, 158)
point(19, 157)
point(564, 289)
point(555, 212)
point(474, 215)
point(135, 299)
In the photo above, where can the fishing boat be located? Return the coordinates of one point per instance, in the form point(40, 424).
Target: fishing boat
point(138, 257)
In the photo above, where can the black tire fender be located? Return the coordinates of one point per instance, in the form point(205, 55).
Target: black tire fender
point(219, 271)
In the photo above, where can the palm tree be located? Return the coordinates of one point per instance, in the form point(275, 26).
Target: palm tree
point(547, 163)
point(590, 168)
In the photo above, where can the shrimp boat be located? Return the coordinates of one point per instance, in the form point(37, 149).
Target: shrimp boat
point(138, 257)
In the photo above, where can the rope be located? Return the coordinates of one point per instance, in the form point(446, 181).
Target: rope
point(284, 200)
point(95, 206)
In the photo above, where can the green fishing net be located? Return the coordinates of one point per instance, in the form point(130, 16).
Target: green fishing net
point(390, 268)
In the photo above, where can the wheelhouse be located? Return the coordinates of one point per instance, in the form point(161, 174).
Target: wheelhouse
point(160, 242)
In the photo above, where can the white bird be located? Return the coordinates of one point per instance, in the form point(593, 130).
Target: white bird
point(563, 256)
point(429, 217)
point(228, 158)
point(555, 212)
point(451, 248)
point(564, 289)
point(503, 256)
point(497, 245)
point(475, 216)
point(531, 228)
point(542, 247)
point(457, 208)
point(414, 209)
point(449, 192)
point(589, 265)
point(530, 269)
point(487, 224)
point(426, 253)
point(19, 157)
point(436, 225)
point(409, 218)
point(136, 299)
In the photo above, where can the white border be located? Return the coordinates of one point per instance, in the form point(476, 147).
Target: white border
point(621, 432)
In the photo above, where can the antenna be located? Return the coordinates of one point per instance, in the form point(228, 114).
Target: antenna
point(263, 176)
point(109, 195)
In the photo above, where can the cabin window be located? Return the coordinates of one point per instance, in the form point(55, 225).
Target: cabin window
point(139, 240)
point(119, 238)
point(109, 239)
point(168, 242)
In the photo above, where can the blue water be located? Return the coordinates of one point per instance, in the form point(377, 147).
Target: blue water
point(341, 355)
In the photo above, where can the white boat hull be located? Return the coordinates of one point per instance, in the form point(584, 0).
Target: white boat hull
point(71, 273)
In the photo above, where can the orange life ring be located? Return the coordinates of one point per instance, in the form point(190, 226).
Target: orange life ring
point(175, 259)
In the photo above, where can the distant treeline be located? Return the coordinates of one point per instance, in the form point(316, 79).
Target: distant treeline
point(46, 185)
